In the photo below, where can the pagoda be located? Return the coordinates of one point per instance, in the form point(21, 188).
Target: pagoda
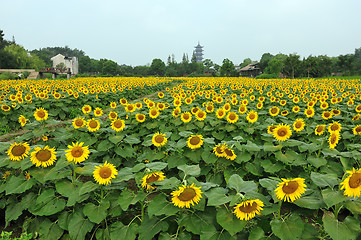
point(198, 53)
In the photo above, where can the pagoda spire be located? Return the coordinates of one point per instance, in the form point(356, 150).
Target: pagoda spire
point(199, 53)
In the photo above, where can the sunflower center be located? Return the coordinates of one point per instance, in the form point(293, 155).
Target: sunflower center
point(153, 112)
point(187, 195)
point(282, 132)
point(274, 110)
point(140, 117)
point(118, 124)
point(290, 187)
point(228, 152)
point(153, 178)
point(43, 155)
point(41, 114)
point(86, 109)
point(186, 116)
point(309, 112)
point(355, 180)
point(159, 139)
point(327, 114)
point(358, 129)
point(219, 150)
point(200, 114)
point(319, 129)
point(334, 127)
point(93, 124)
point(79, 122)
point(130, 107)
point(247, 208)
point(18, 150)
point(232, 117)
point(77, 152)
point(113, 115)
point(242, 109)
point(252, 116)
point(333, 139)
point(209, 108)
point(358, 108)
point(298, 124)
point(105, 172)
point(195, 140)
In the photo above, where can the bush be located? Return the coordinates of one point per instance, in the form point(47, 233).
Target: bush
point(8, 76)
point(267, 76)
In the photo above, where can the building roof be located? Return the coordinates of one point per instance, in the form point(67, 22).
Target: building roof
point(250, 67)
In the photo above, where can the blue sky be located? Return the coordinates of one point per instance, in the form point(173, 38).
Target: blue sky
point(135, 32)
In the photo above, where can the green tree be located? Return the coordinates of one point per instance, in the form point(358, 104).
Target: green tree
point(291, 64)
point(228, 69)
point(22, 58)
point(157, 67)
point(84, 64)
point(274, 67)
point(265, 59)
point(110, 67)
point(245, 62)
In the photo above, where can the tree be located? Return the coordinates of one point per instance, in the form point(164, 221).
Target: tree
point(110, 67)
point(228, 69)
point(208, 64)
point(3, 42)
point(274, 67)
point(265, 59)
point(157, 67)
point(84, 64)
point(345, 63)
point(245, 62)
point(22, 58)
point(61, 66)
point(291, 63)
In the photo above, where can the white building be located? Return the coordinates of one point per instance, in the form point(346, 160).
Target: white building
point(70, 63)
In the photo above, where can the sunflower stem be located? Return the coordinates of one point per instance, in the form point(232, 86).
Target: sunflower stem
point(279, 209)
point(74, 173)
point(338, 208)
point(142, 211)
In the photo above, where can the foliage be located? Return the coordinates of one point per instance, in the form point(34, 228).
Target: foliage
point(228, 69)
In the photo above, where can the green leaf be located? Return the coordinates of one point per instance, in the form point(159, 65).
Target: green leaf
point(168, 183)
point(47, 204)
point(268, 147)
point(50, 230)
point(317, 161)
point(192, 170)
point(4, 146)
point(243, 157)
point(229, 221)
point(119, 231)
point(310, 202)
point(128, 198)
point(271, 167)
point(12, 212)
point(159, 206)
point(251, 147)
point(209, 157)
point(185, 134)
point(353, 205)
point(116, 139)
point(324, 180)
point(257, 233)
point(131, 139)
point(150, 227)
point(291, 228)
point(346, 230)
point(237, 183)
point(79, 226)
point(209, 232)
point(157, 166)
point(104, 146)
point(88, 187)
point(332, 197)
point(19, 184)
point(217, 196)
point(95, 213)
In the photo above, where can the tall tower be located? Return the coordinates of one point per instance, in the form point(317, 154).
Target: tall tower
point(199, 53)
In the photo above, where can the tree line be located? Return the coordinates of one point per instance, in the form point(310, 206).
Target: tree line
point(15, 56)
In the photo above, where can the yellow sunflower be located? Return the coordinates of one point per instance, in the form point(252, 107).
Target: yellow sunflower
point(282, 132)
point(113, 115)
point(248, 209)
point(229, 154)
point(219, 150)
point(220, 113)
point(232, 117)
point(273, 111)
point(296, 109)
point(201, 115)
point(22, 120)
point(357, 130)
point(5, 108)
point(352, 184)
point(176, 112)
point(195, 141)
point(320, 129)
point(153, 112)
point(93, 125)
point(326, 115)
point(103, 174)
point(159, 139)
point(309, 112)
point(209, 108)
point(113, 105)
point(334, 127)
point(242, 109)
point(186, 117)
point(271, 128)
point(79, 122)
point(334, 139)
point(118, 125)
point(186, 196)
point(41, 114)
point(356, 117)
point(43, 157)
point(150, 178)
point(86, 109)
point(290, 190)
point(77, 153)
point(98, 112)
point(299, 125)
point(358, 108)
point(18, 151)
point(252, 116)
point(140, 117)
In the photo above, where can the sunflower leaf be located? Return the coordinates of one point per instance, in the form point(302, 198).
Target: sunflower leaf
point(79, 226)
point(193, 170)
point(120, 231)
point(291, 228)
point(346, 230)
point(229, 221)
point(160, 205)
point(150, 227)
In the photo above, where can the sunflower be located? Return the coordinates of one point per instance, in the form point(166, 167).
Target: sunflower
point(273, 111)
point(299, 125)
point(320, 129)
point(195, 141)
point(290, 190)
point(78, 122)
point(176, 112)
point(161, 106)
point(220, 113)
point(219, 150)
point(248, 209)
point(45, 138)
point(259, 105)
point(77, 153)
point(112, 115)
point(153, 112)
point(22, 120)
point(150, 178)
point(186, 117)
point(93, 125)
point(194, 110)
point(113, 105)
point(227, 107)
point(104, 173)
point(138, 105)
point(44, 156)
point(201, 115)
point(161, 95)
point(334, 127)
point(356, 117)
point(358, 108)
point(296, 109)
point(140, 117)
point(232, 117)
point(282, 132)
point(326, 115)
point(177, 102)
point(271, 128)
point(242, 109)
point(352, 184)
point(309, 112)
point(357, 130)
point(159, 139)
point(98, 112)
point(336, 112)
point(229, 154)
point(5, 108)
point(209, 108)
point(18, 151)
point(86, 109)
point(252, 116)
point(284, 113)
point(41, 114)
point(334, 139)
point(118, 125)
point(123, 101)
point(186, 196)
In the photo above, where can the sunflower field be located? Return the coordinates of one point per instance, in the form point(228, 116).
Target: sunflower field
point(181, 158)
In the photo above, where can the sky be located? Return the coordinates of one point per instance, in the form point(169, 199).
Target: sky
point(135, 32)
